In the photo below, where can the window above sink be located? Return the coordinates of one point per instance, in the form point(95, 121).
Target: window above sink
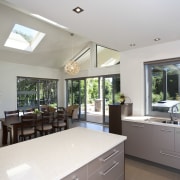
point(162, 86)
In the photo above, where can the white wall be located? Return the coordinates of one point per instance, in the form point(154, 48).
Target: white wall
point(132, 70)
point(8, 74)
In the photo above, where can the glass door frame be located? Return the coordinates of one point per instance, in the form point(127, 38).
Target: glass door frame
point(103, 77)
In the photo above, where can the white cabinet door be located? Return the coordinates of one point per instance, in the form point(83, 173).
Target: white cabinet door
point(163, 145)
point(138, 141)
point(177, 140)
point(163, 138)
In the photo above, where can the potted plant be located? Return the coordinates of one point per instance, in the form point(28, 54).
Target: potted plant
point(122, 98)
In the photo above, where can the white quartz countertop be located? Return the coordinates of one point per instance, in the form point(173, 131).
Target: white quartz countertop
point(54, 156)
point(151, 120)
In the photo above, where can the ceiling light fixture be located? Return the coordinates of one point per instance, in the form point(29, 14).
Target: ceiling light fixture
point(78, 10)
point(72, 67)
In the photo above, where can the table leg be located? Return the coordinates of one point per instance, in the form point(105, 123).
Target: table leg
point(15, 133)
point(4, 135)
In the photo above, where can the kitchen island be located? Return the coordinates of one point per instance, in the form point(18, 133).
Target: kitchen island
point(69, 154)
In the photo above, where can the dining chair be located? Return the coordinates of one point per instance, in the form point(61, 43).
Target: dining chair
point(28, 111)
point(28, 126)
point(10, 115)
point(44, 125)
point(60, 120)
point(73, 112)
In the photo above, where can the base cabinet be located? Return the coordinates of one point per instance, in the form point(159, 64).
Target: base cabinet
point(165, 145)
point(109, 166)
point(157, 143)
point(138, 141)
point(177, 140)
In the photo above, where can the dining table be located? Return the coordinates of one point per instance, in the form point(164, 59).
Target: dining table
point(15, 124)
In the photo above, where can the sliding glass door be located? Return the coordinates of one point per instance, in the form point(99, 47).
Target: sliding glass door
point(76, 95)
point(111, 94)
point(94, 94)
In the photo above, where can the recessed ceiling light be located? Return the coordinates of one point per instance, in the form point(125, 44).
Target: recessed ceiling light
point(132, 44)
point(78, 10)
point(157, 39)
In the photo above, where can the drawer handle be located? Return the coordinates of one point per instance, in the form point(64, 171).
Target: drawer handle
point(166, 154)
point(108, 170)
point(138, 126)
point(165, 130)
point(110, 156)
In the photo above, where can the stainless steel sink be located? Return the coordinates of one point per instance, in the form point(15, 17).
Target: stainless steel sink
point(171, 122)
point(164, 121)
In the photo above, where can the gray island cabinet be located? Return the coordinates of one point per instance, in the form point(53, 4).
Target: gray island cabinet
point(74, 154)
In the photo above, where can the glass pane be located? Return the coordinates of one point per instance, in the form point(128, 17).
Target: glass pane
point(69, 92)
point(24, 38)
point(94, 100)
point(108, 94)
point(75, 91)
point(26, 93)
point(32, 92)
point(76, 95)
point(116, 88)
point(48, 92)
point(164, 87)
point(82, 99)
point(111, 93)
point(107, 57)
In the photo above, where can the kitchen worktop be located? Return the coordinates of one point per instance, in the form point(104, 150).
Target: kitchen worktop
point(150, 120)
point(54, 156)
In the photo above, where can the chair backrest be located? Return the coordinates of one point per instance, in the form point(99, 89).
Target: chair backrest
point(61, 114)
point(70, 109)
point(47, 117)
point(28, 121)
point(43, 108)
point(11, 114)
point(28, 111)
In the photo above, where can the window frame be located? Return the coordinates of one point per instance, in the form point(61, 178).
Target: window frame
point(97, 65)
point(148, 85)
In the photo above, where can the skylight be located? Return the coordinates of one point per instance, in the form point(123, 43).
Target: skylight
point(24, 38)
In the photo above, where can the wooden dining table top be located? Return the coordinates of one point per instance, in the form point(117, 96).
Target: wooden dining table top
point(11, 121)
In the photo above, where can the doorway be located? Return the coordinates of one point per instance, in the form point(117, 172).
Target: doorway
point(93, 95)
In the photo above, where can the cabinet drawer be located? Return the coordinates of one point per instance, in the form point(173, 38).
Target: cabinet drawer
point(112, 170)
point(105, 158)
point(80, 174)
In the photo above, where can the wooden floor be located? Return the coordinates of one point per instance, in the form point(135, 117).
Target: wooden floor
point(135, 169)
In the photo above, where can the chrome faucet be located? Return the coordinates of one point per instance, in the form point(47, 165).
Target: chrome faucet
point(173, 110)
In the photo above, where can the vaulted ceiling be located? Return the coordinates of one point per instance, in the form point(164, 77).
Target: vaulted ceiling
point(112, 23)
point(56, 48)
